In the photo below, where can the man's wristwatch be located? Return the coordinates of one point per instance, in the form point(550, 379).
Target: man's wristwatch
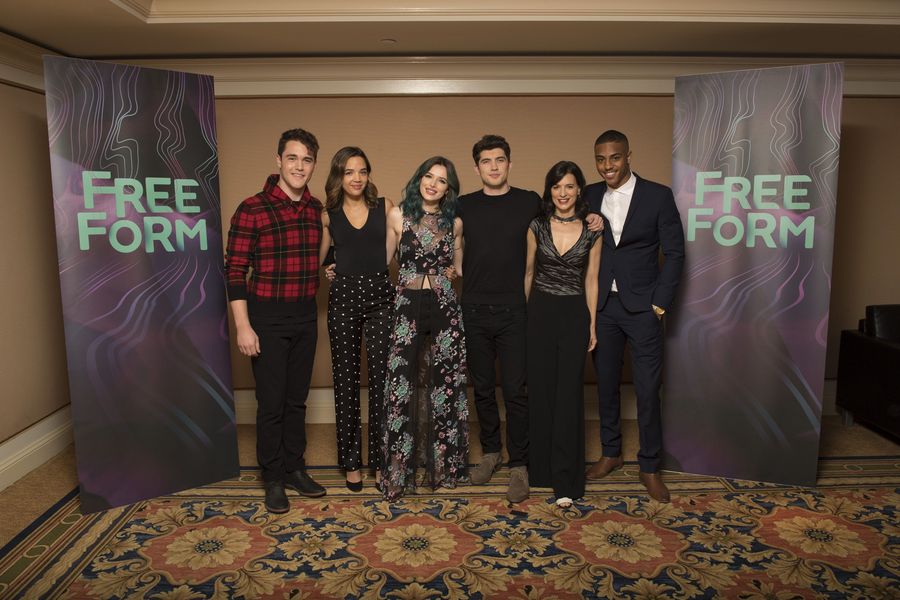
point(659, 311)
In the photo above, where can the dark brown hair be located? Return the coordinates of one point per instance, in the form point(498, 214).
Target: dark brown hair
point(334, 190)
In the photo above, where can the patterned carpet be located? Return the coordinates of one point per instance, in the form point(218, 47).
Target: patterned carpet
point(717, 539)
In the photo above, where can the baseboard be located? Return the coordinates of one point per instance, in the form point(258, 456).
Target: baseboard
point(320, 404)
point(31, 448)
point(48, 437)
point(829, 395)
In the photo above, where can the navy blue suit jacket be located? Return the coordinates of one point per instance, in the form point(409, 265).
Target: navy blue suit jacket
point(652, 223)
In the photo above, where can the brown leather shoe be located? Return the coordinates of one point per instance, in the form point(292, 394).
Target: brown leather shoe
point(604, 467)
point(655, 486)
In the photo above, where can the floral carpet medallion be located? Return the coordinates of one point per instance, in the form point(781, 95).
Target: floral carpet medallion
point(718, 538)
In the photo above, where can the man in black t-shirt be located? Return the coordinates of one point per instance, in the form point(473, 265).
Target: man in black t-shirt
point(495, 221)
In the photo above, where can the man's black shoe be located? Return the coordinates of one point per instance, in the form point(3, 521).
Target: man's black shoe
point(303, 484)
point(276, 499)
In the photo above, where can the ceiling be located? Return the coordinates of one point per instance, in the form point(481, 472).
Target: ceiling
point(147, 29)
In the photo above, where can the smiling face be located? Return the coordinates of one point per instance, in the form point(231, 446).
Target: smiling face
point(433, 185)
point(355, 178)
point(613, 163)
point(493, 168)
point(295, 166)
point(564, 193)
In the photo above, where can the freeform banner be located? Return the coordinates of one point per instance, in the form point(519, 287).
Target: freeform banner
point(138, 233)
point(755, 161)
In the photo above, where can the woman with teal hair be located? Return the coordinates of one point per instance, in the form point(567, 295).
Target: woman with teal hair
point(426, 413)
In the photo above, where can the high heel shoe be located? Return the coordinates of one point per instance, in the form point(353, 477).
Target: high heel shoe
point(354, 486)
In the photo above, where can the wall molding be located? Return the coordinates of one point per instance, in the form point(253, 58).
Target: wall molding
point(534, 75)
point(762, 11)
point(34, 446)
point(21, 64)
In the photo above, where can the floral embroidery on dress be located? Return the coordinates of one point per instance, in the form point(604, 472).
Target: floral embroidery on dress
point(427, 421)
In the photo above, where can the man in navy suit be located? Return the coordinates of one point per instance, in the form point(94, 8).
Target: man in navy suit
point(634, 293)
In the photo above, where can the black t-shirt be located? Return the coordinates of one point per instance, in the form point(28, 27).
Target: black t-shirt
point(494, 229)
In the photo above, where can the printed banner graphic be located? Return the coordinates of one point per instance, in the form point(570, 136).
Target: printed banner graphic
point(138, 232)
point(755, 161)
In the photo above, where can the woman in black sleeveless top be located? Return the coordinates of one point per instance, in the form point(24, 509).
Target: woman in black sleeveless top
point(360, 300)
point(561, 285)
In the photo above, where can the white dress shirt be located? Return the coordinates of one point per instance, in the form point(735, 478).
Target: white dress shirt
point(615, 208)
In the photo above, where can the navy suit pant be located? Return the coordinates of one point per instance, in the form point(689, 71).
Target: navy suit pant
point(644, 335)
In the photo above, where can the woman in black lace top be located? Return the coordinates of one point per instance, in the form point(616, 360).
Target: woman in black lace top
point(426, 414)
point(561, 286)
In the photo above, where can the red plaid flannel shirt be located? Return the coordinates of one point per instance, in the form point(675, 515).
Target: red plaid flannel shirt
point(279, 239)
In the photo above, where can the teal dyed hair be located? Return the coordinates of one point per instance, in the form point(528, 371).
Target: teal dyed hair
point(411, 203)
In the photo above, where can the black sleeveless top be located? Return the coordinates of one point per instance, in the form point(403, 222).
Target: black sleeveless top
point(359, 251)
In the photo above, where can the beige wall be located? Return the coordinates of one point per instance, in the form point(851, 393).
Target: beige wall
point(398, 133)
point(867, 232)
point(32, 355)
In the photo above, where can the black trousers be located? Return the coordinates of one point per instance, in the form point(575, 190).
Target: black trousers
point(282, 371)
point(499, 331)
point(643, 332)
point(558, 337)
point(359, 304)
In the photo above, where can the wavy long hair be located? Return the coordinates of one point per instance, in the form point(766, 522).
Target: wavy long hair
point(411, 203)
point(334, 188)
point(554, 176)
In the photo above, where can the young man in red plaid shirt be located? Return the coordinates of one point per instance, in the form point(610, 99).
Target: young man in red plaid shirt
point(275, 236)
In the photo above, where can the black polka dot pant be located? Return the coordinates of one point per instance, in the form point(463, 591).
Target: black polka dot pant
point(357, 305)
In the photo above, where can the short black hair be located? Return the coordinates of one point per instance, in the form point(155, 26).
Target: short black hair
point(489, 142)
point(302, 136)
point(611, 135)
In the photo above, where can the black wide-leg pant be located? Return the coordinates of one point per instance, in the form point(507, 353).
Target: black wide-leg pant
point(558, 337)
point(282, 371)
point(357, 305)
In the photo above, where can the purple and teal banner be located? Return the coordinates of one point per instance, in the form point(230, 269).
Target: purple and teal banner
point(138, 233)
point(754, 171)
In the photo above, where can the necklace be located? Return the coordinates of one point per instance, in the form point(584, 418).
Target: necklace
point(437, 212)
point(559, 219)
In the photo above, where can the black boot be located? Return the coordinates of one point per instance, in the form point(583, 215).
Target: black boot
point(303, 484)
point(276, 499)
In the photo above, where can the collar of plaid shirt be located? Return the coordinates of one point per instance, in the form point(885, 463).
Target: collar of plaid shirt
point(274, 192)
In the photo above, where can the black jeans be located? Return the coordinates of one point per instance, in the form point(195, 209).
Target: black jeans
point(282, 371)
point(498, 331)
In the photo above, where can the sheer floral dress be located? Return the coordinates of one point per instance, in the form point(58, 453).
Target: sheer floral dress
point(426, 417)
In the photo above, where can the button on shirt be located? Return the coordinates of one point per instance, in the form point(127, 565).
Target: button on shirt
point(277, 240)
point(615, 208)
